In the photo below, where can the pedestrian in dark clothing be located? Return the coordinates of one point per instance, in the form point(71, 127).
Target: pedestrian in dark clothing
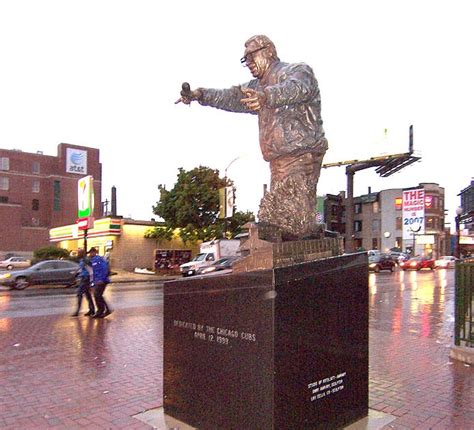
point(100, 279)
point(83, 289)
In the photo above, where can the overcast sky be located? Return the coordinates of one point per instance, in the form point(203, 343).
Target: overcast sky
point(106, 73)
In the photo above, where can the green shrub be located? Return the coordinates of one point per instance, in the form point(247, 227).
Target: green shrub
point(50, 253)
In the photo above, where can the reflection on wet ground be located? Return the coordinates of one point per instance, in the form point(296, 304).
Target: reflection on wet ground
point(415, 302)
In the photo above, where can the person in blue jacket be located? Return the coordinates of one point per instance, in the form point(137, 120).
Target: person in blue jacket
point(100, 280)
point(83, 289)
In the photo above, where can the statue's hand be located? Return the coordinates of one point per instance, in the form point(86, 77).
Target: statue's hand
point(254, 100)
point(187, 96)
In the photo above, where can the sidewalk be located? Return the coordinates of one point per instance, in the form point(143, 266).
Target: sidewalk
point(119, 279)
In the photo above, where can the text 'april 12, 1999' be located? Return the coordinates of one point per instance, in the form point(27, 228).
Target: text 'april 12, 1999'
point(219, 335)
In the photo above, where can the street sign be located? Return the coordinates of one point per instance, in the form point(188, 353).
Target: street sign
point(226, 202)
point(229, 194)
point(85, 223)
point(85, 197)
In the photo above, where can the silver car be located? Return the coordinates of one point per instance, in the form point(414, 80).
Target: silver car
point(44, 272)
point(14, 263)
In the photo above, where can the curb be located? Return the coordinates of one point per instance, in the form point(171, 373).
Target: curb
point(119, 284)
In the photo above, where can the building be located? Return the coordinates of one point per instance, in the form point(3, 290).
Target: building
point(124, 238)
point(467, 206)
point(466, 220)
point(334, 212)
point(378, 221)
point(39, 192)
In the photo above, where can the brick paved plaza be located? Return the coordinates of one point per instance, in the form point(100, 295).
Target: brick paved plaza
point(69, 373)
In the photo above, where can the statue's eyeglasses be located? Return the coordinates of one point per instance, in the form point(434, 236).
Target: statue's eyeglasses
point(244, 59)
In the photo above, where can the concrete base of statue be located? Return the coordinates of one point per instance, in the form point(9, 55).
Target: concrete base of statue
point(281, 348)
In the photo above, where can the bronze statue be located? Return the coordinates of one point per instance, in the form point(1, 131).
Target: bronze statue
point(287, 101)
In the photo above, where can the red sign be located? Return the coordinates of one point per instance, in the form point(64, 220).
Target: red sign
point(85, 223)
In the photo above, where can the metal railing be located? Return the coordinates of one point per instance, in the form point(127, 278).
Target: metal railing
point(463, 308)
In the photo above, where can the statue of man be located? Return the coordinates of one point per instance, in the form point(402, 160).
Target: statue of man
point(287, 101)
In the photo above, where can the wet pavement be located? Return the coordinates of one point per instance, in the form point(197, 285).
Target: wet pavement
point(70, 373)
point(411, 332)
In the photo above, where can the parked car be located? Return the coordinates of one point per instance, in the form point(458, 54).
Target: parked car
point(225, 263)
point(446, 262)
point(14, 263)
point(418, 263)
point(44, 272)
point(381, 262)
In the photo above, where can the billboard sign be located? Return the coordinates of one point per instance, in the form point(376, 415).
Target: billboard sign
point(85, 197)
point(76, 161)
point(413, 210)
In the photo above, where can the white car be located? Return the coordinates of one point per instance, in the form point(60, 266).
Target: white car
point(15, 263)
point(446, 262)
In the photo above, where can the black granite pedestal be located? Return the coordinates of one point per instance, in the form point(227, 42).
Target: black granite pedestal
point(275, 349)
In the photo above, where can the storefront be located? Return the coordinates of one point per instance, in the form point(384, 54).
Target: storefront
point(123, 239)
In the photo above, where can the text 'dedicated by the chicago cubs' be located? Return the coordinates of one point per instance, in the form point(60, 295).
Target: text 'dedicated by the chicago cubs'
point(220, 335)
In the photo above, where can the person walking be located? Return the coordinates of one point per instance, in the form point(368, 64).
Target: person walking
point(100, 279)
point(83, 288)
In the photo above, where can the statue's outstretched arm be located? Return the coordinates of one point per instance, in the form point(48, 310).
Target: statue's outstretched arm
point(187, 96)
point(226, 99)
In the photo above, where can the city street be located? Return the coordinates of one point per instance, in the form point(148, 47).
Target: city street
point(62, 372)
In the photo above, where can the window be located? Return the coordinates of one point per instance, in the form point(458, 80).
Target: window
point(35, 204)
point(36, 186)
point(429, 223)
point(4, 163)
point(375, 243)
point(358, 226)
point(4, 184)
point(57, 195)
point(36, 167)
point(375, 225)
point(3, 199)
point(375, 207)
point(398, 204)
point(398, 222)
point(357, 208)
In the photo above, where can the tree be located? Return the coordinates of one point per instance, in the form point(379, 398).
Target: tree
point(193, 206)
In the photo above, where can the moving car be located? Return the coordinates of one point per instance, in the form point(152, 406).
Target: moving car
point(44, 272)
point(446, 262)
point(224, 263)
point(381, 262)
point(399, 256)
point(418, 263)
point(14, 263)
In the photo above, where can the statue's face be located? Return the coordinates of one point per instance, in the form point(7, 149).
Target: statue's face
point(256, 58)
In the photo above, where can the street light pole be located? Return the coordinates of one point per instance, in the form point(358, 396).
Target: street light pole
point(458, 232)
point(225, 195)
point(414, 232)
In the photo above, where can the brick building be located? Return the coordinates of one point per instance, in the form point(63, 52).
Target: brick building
point(378, 220)
point(38, 192)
